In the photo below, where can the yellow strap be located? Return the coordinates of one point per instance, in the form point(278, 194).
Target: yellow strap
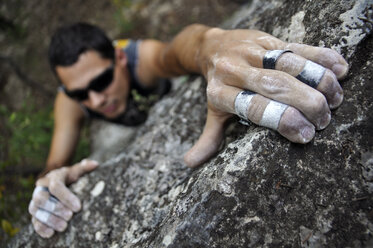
point(122, 43)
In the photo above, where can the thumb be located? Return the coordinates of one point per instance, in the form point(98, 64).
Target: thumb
point(79, 169)
point(209, 141)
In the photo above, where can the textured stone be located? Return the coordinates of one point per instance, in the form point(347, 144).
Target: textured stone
point(260, 190)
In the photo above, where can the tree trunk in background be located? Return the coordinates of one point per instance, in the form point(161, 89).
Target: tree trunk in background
point(260, 190)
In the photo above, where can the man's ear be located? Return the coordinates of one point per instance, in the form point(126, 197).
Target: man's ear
point(120, 57)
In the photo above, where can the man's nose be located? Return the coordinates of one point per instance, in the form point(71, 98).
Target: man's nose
point(96, 99)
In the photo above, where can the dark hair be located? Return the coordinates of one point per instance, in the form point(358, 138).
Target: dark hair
point(70, 41)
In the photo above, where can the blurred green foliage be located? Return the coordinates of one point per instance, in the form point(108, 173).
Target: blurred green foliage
point(24, 145)
point(30, 133)
point(121, 15)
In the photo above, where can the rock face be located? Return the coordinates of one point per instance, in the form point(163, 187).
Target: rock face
point(260, 190)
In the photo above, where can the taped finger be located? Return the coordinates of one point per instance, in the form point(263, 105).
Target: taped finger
point(39, 189)
point(311, 74)
point(267, 113)
point(323, 56)
point(50, 220)
point(44, 200)
point(308, 72)
point(54, 206)
point(249, 106)
point(65, 196)
point(42, 216)
point(271, 56)
point(262, 111)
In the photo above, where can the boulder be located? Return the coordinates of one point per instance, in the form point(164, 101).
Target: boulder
point(260, 190)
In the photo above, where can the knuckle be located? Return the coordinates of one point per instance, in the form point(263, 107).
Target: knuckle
point(53, 186)
point(41, 180)
point(39, 200)
point(318, 103)
point(221, 65)
point(273, 84)
point(62, 170)
point(213, 90)
point(224, 66)
point(56, 172)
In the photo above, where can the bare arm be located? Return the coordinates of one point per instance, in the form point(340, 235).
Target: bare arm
point(232, 62)
point(68, 118)
point(179, 57)
point(53, 204)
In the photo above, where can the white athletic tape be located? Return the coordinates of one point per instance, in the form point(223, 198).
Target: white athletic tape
point(50, 205)
point(42, 216)
point(271, 56)
point(242, 103)
point(311, 74)
point(38, 189)
point(272, 114)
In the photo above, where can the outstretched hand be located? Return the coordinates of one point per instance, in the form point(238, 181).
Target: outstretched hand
point(53, 204)
point(291, 91)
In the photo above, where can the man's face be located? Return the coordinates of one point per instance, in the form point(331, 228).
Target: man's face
point(111, 101)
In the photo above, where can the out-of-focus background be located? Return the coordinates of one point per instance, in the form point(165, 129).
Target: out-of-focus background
point(27, 86)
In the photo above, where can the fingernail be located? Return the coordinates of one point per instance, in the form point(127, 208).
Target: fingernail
point(67, 214)
point(48, 233)
point(337, 100)
point(84, 162)
point(339, 70)
point(61, 226)
point(76, 206)
point(308, 133)
point(325, 121)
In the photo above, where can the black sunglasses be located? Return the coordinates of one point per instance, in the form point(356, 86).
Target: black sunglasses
point(98, 84)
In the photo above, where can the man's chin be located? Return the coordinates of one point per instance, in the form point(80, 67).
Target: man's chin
point(113, 113)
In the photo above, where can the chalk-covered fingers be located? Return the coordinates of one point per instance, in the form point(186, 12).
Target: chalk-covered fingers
point(287, 120)
point(44, 200)
point(323, 56)
point(326, 57)
point(43, 230)
point(52, 203)
point(48, 218)
point(57, 179)
point(306, 71)
point(283, 87)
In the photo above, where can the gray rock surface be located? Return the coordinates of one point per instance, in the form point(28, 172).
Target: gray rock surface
point(260, 190)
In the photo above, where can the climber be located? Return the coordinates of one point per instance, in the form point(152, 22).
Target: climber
point(287, 87)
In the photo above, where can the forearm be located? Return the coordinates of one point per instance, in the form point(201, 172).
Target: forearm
point(60, 154)
point(183, 55)
point(67, 124)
